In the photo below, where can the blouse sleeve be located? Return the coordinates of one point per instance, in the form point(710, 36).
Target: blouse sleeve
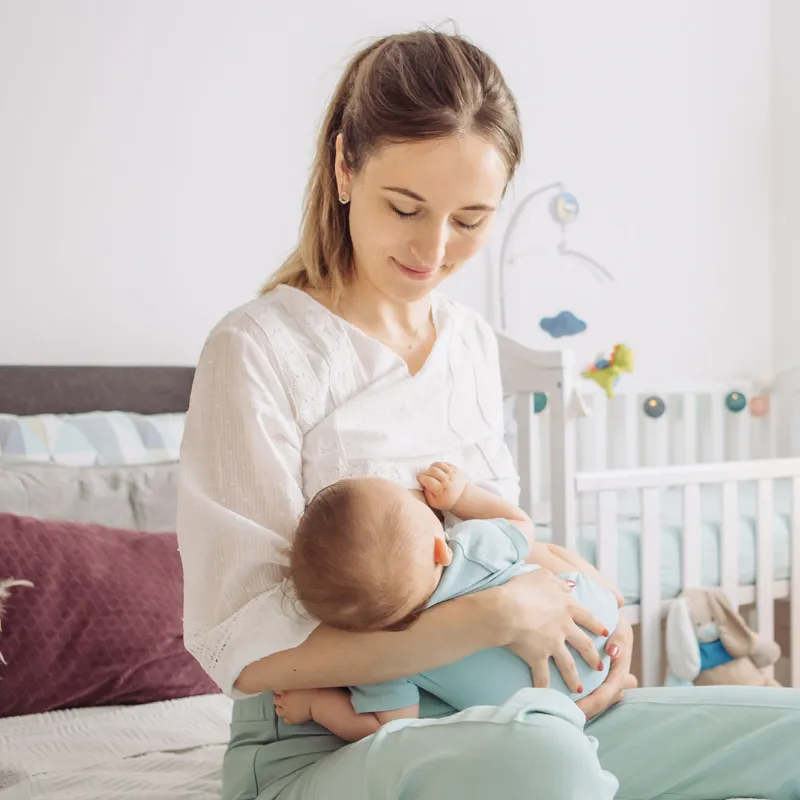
point(238, 502)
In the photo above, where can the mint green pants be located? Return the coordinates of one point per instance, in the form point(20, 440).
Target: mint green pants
point(708, 743)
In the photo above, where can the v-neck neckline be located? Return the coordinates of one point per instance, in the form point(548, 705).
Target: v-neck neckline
point(437, 319)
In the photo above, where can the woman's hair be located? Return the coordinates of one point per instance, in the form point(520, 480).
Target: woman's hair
point(405, 87)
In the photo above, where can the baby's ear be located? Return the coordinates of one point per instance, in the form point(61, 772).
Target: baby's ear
point(442, 554)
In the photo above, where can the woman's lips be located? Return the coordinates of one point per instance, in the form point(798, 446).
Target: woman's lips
point(416, 273)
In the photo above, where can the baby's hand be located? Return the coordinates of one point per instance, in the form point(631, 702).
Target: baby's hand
point(442, 484)
point(294, 707)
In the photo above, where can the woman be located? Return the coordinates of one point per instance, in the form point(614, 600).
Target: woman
point(350, 364)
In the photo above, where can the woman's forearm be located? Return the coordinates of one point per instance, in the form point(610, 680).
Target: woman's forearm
point(330, 657)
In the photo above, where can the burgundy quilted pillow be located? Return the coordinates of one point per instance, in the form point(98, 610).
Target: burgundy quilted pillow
point(101, 624)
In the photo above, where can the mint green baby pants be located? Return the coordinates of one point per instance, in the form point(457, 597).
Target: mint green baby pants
point(708, 743)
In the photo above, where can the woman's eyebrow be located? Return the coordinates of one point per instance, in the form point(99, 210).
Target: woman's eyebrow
point(415, 196)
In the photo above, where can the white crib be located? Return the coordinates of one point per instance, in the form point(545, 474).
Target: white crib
point(699, 496)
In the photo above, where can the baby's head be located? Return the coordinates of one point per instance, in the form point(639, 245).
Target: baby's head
point(367, 555)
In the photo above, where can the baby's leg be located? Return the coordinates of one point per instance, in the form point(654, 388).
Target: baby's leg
point(603, 604)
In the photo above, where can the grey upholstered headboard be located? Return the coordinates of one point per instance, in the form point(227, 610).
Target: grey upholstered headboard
point(72, 390)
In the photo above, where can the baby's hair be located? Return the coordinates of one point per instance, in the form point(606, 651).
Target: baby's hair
point(350, 560)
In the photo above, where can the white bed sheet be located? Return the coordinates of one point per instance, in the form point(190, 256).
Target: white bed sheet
point(157, 751)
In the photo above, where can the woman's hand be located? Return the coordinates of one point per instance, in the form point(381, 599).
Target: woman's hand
point(542, 617)
point(582, 565)
point(611, 691)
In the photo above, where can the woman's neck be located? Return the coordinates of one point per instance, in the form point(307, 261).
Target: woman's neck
point(365, 306)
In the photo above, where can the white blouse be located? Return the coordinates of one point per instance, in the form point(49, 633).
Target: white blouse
point(287, 399)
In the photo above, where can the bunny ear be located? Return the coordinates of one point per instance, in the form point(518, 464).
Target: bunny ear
point(683, 651)
point(736, 637)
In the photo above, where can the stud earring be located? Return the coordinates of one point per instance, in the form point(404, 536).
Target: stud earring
point(344, 198)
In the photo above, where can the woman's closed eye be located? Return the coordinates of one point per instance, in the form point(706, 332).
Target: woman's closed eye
point(403, 214)
point(468, 226)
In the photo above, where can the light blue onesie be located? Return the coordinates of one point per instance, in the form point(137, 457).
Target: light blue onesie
point(488, 553)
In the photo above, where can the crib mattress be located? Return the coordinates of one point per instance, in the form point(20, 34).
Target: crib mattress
point(630, 530)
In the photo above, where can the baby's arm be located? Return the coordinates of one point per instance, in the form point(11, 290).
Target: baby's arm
point(446, 488)
point(332, 709)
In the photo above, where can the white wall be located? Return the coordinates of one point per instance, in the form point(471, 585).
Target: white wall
point(153, 156)
point(786, 180)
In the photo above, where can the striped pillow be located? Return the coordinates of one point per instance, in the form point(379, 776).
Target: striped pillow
point(113, 438)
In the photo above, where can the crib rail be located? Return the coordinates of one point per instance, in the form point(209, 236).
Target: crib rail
point(600, 433)
point(650, 483)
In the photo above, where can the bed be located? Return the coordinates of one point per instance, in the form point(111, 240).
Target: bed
point(154, 751)
point(148, 751)
point(658, 505)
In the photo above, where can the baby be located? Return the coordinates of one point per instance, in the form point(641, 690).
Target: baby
point(370, 555)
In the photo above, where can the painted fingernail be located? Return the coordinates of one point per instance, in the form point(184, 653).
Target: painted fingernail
point(580, 690)
point(571, 584)
point(613, 650)
point(600, 667)
point(605, 631)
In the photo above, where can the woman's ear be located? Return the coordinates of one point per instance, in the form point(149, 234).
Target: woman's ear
point(734, 634)
point(442, 554)
point(683, 651)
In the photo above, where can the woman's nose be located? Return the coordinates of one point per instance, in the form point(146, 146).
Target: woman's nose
point(430, 245)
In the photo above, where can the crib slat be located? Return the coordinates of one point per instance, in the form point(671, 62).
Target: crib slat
point(526, 450)
point(607, 539)
point(631, 411)
point(657, 442)
point(717, 427)
point(692, 561)
point(599, 432)
point(765, 605)
point(650, 587)
point(792, 404)
point(742, 436)
point(794, 608)
point(562, 449)
point(773, 418)
point(729, 545)
point(689, 428)
point(662, 440)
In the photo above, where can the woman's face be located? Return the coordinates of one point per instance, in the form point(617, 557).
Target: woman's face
point(419, 210)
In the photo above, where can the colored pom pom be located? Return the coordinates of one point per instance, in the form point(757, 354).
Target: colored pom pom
point(654, 407)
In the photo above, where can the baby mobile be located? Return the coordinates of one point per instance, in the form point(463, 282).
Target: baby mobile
point(564, 211)
point(606, 371)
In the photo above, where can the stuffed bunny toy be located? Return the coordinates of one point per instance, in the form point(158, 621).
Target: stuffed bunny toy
point(708, 643)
